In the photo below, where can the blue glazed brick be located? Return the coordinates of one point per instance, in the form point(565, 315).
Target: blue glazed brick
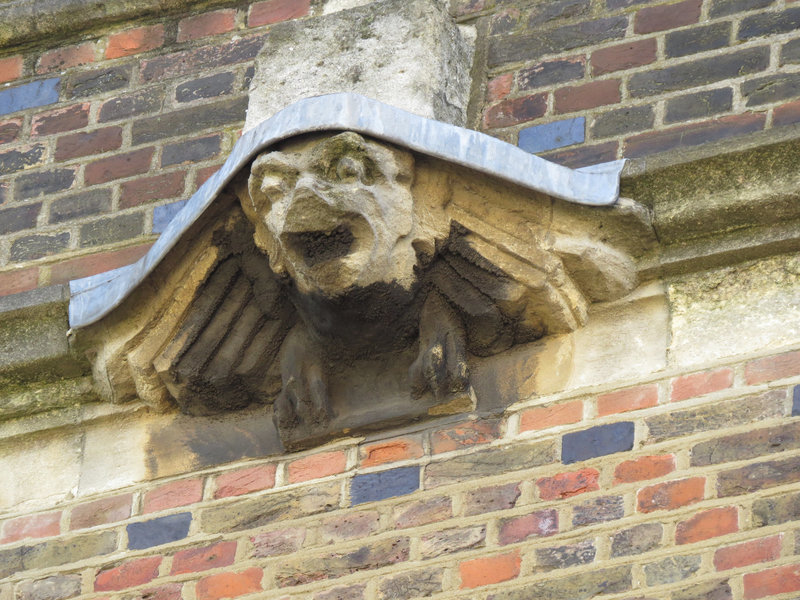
point(158, 531)
point(163, 214)
point(597, 441)
point(36, 93)
point(549, 136)
point(379, 486)
point(796, 401)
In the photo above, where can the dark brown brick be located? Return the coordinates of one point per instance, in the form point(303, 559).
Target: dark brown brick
point(531, 45)
point(191, 61)
point(597, 510)
point(667, 16)
point(723, 8)
point(17, 218)
point(582, 156)
point(697, 39)
point(693, 135)
point(32, 185)
point(515, 110)
point(112, 229)
point(623, 120)
point(588, 95)
point(12, 161)
point(776, 510)
point(504, 21)
point(146, 189)
point(9, 130)
point(31, 247)
point(491, 498)
point(61, 120)
point(190, 120)
point(758, 476)
point(698, 105)
point(86, 143)
point(754, 443)
point(547, 12)
point(119, 166)
point(550, 72)
point(212, 86)
point(140, 102)
point(699, 72)
point(82, 204)
point(561, 557)
point(771, 88)
point(191, 151)
point(770, 23)
point(97, 81)
point(624, 56)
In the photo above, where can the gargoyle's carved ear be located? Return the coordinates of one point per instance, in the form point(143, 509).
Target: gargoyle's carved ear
point(272, 175)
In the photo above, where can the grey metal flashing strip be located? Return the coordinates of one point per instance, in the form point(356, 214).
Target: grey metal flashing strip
point(94, 297)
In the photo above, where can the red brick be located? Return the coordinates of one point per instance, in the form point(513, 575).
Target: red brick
point(33, 526)
point(492, 569)
point(100, 512)
point(463, 435)
point(588, 95)
point(390, 451)
point(669, 495)
point(624, 56)
point(499, 87)
point(134, 41)
point(66, 57)
point(772, 367)
point(274, 11)
point(244, 481)
point(129, 574)
point(119, 166)
point(748, 553)
point(515, 110)
point(193, 560)
point(543, 417)
point(646, 467)
point(93, 264)
point(779, 580)
point(316, 466)
point(169, 591)
point(60, 120)
point(670, 16)
point(565, 485)
point(229, 585)
point(786, 114)
point(213, 23)
point(643, 396)
point(9, 130)
point(537, 524)
point(19, 280)
point(10, 68)
point(707, 524)
point(85, 143)
point(171, 495)
point(698, 384)
point(146, 189)
point(203, 174)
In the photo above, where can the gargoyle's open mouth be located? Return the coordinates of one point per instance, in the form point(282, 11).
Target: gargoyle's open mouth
point(321, 246)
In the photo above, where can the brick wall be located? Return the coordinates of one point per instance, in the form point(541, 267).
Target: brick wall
point(679, 488)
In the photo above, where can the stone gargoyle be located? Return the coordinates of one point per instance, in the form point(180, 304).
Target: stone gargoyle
point(350, 282)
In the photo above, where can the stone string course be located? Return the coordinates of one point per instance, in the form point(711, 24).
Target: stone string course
point(684, 489)
point(102, 136)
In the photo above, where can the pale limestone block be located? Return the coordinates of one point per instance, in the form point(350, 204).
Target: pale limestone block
point(622, 340)
point(39, 471)
point(333, 6)
point(735, 310)
point(407, 53)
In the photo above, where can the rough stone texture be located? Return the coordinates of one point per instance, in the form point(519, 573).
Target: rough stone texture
point(367, 50)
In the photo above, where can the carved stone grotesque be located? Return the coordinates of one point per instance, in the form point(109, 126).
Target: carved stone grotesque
point(350, 283)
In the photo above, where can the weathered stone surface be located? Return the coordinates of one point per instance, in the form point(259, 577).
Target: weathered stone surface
point(671, 569)
point(414, 584)
point(55, 587)
point(636, 540)
point(372, 49)
point(561, 557)
point(582, 587)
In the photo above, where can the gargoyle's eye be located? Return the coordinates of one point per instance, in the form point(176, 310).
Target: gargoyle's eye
point(274, 184)
point(350, 169)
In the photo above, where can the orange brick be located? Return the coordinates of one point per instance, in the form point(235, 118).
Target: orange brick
point(229, 585)
point(708, 524)
point(499, 87)
point(213, 23)
point(390, 451)
point(771, 582)
point(316, 466)
point(244, 481)
point(10, 68)
point(464, 434)
point(95, 263)
point(669, 495)
point(543, 417)
point(66, 57)
point(134, 41)
point(129, 574)
point(565, 485)
point(204, 558)
point(275, 11)
point(772, 367)
point(171, 495)
point(698, 384)
point(33, 526)
point(19, 280)
point(494, 569)
point(643, 396)
point(646, 467)
point(748, 553)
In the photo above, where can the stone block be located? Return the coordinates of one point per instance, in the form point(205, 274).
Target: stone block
point(370, 487)
point(557, 134)
point(597, 441)
point(409, 54)
point(29, 95)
